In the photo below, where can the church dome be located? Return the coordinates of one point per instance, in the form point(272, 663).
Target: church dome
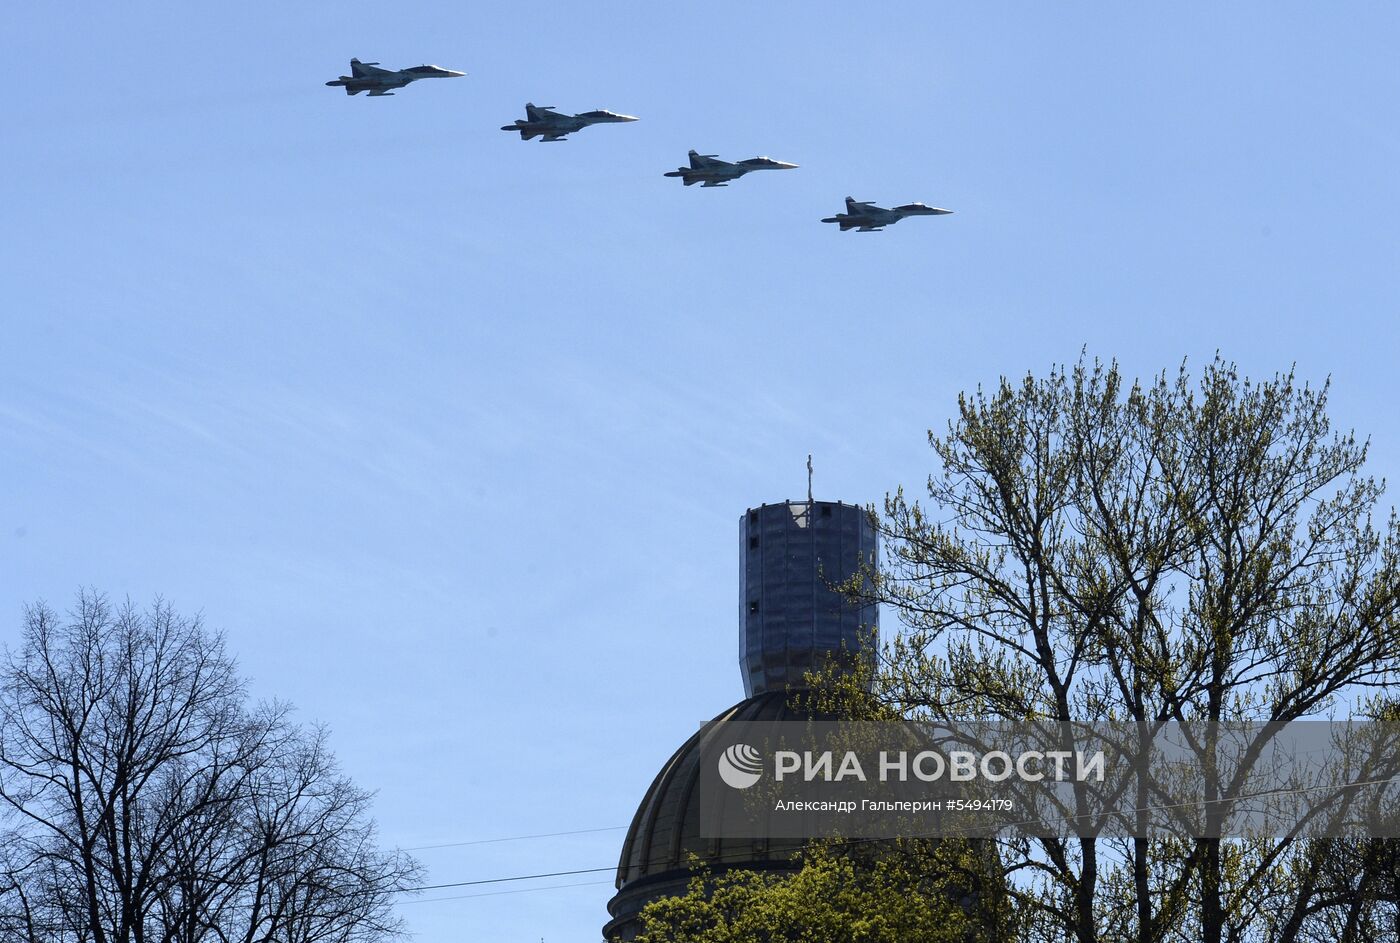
point(665, 832)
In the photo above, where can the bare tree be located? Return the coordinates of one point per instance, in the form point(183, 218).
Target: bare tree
point(143, 798)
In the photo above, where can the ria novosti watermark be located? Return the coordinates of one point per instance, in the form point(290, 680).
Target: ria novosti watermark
point(740, 766)
point(811, 779)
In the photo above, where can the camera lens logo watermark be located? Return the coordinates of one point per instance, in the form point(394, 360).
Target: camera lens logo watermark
point(740, 766)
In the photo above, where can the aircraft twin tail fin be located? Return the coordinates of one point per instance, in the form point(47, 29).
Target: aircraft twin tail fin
point(360, 69)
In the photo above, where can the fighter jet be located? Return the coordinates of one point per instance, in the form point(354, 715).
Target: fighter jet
point(365, 77)
point(549, 125)
point(709, 171)
point(867, 217)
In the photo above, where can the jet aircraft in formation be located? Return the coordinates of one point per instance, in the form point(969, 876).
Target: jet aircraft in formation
point(867, 217)
point(550, 125)
point(367, 77)
point(709, 171)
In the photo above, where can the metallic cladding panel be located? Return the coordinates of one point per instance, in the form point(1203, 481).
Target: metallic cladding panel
point(790, 620)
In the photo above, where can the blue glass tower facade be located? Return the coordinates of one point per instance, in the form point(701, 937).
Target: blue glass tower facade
point(790, 619)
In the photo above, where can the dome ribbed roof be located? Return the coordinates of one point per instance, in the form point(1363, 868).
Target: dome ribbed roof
point(665, 832)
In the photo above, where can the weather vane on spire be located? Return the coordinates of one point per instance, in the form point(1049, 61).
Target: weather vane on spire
point(809, 477)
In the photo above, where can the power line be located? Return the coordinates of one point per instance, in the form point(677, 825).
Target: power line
point(521, 890)
point(518, 877)
point(744, 855)
point(492, 841)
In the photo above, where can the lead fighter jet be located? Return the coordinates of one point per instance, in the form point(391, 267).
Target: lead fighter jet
point(709, 171)
point(550, 125)
point(867, 217)
point(366, 77)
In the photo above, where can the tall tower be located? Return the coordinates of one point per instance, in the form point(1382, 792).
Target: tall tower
point(791, 618)
point(791, 621)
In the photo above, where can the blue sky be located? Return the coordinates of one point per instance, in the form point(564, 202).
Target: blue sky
point(451, 433)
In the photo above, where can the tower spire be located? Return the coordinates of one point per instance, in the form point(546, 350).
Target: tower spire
point(809, 477)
